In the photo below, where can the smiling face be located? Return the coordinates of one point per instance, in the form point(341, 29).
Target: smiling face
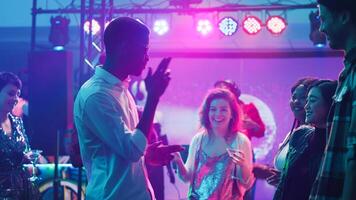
point(298, 101)
point(220, 114)
point(8, 98)
point(316, 108)
point(331, 24)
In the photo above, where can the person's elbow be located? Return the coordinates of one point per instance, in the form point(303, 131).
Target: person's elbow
point(184, 174)
point(247, 178)
point(136, 146)
point(135, 155)
point(131, 154)
point(131, 151)
point(247, 182)
point(186, 178)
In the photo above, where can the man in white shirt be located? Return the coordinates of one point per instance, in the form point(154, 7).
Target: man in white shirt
point(112, 139)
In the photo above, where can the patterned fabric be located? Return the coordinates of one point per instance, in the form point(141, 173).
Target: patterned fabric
point(211, 181)
point(14, 182)
point(342, 139)
point(304, 156)
point(218, 177)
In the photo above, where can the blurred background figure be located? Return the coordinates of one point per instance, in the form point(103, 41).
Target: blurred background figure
point(14, 181)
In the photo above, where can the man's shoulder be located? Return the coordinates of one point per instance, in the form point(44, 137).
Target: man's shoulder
point(94, 86)
point(90, 89)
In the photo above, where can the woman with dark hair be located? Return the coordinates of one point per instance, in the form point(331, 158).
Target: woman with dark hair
point(14, 183)
point(307, 144)
point(297, 103)
point(219, 164)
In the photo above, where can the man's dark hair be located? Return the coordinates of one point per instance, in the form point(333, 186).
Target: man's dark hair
point(336, 6)
point(230, 85)
point(122, 30)
point(327, 88)
point(9, 78)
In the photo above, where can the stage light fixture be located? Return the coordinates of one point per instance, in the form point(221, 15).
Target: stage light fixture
point(318, 38)
point(228, 26)
point(184, 3)
point(276, 24)
point(252, 25)
point(204, 27)
point(59, 32)
point(95, 27)
point(161, 26)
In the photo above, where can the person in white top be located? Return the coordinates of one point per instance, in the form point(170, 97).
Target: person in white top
point(112, 139)
point(219, 163)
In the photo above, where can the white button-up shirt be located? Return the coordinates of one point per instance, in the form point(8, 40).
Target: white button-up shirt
point(111, 148)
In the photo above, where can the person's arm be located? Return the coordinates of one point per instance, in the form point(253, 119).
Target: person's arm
point(185, 171)
point(253, 122)
point(103, 116)
point(349, 192)
point(156, 84)
point(350, 178)
point(242, 157)
point(182, 171)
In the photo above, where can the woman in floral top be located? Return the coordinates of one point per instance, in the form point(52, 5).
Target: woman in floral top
point(14, 183)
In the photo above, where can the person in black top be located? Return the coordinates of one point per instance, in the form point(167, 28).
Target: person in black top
point(14, 183)
point(307, 144)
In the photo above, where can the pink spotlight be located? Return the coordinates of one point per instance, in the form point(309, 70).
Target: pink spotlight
point(95, 27)
point(276, 24)
point(161, 26)
point(204, 27)
point(252, 25)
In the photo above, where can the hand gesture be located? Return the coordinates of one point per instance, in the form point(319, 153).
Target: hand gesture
point(262, 171)
point(157, 154)
point(157, 82)
point(249, 125)
point(274, 179)
point(238, 157)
